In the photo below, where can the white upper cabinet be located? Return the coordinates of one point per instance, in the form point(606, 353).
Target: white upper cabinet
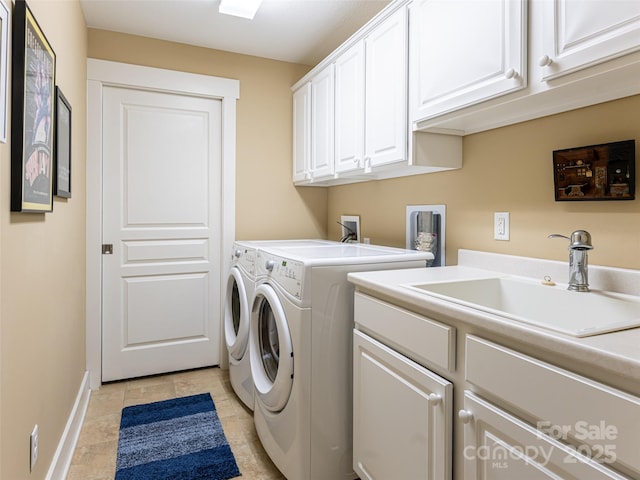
point(463, 52)
point(349, 113)
point(386, 92)
point(580, 53)
point(322, 124)
point(302, 133)
point(578, 34)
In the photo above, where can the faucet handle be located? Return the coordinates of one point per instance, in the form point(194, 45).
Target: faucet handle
point(557, 235)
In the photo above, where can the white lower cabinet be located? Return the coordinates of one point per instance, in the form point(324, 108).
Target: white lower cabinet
point(598, 421)
point(516, 417)
point(402, 416)
point(498, 446)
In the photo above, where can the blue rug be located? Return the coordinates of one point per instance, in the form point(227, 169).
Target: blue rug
point(179, 439)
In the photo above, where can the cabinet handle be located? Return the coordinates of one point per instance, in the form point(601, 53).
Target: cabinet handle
point(465, 416)
point(545, 61)
point(511, 73)
point(367, 164)
point(434, 399)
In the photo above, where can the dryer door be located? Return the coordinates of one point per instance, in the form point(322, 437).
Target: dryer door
point(271, 349)
point(236, 315)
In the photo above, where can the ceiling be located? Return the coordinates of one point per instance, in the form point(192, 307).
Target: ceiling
point(298, 31)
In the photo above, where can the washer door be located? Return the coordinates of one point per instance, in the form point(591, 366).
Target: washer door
point(236, 315)
point(271, 349)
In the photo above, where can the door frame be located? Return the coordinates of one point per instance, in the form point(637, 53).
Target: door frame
point(101, 73)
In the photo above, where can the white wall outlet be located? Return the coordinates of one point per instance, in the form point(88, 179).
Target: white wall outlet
point(34, 447)
point(501, 226)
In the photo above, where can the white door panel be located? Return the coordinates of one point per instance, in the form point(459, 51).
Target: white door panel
point(161, 212)
point(152, 303)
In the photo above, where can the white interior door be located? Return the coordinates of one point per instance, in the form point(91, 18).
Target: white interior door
point(162, 215)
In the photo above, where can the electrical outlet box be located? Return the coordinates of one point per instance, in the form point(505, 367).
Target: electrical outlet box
point(501, 226)
point(350, 228)
point(34, 447)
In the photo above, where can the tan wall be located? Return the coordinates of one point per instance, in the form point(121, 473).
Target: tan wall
point(510, 169)
point(42, 292)
point(267, 203)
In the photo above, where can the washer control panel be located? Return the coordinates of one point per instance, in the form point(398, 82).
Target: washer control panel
point(287, 273)
point(246, 258)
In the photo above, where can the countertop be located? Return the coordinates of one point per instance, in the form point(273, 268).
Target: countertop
point(617, 353)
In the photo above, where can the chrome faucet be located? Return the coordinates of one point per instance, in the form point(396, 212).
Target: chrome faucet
point(579, 246)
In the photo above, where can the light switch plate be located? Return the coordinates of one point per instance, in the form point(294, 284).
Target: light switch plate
point(501, 226)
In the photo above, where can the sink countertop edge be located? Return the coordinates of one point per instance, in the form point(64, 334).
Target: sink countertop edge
point(617, 352)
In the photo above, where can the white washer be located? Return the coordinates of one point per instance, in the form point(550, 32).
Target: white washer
point(301, 353)
point(238, 297)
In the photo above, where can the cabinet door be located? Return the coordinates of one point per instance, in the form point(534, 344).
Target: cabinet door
point(578, 34)
point(386, 92)
point(322, 124)
point(402, 416)
point(498, 446)
point(464, 52)
point(302, 133)
point(350, 109)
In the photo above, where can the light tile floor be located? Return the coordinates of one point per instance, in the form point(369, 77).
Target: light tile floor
point(95, 455)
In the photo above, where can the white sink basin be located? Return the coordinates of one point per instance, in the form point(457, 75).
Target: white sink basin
point(579, 314)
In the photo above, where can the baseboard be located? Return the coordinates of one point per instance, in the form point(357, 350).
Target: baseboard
point(64, 453)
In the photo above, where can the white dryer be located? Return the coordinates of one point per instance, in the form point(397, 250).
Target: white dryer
point(237, 304)
point(301, 353)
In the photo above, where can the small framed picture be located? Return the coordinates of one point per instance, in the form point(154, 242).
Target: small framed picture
point(596, 172)
point(4, 77)
point(62, 146)
point(33, 83)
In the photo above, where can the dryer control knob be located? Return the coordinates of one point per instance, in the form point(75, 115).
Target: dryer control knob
point(237, 253)
point(270, 265)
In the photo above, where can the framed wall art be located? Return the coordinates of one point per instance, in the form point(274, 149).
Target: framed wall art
point(596, 172)
point(4, 71)
point(33, 82)
point(62, 146)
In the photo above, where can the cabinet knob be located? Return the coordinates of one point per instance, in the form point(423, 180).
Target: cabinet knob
point(545, 61)
point(511, 73)
point(465, 416)
point(434, 399)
